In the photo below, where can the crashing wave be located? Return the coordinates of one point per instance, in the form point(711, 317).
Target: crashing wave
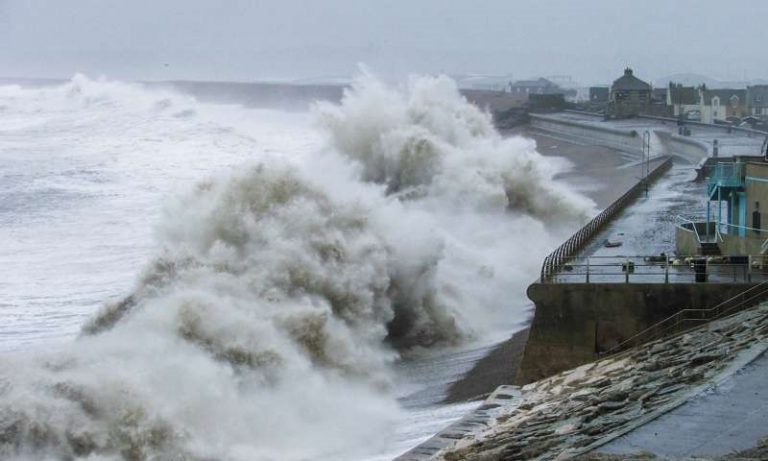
point(259, 272)
point(281, 295)
point(426, 140)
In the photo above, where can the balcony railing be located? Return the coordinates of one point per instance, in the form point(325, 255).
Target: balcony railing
point(726, 175)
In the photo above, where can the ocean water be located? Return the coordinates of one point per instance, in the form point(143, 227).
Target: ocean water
point(199, 281)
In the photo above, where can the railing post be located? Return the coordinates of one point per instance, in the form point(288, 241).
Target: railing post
point(587, 269)
point(749, 268)
point(626, 270)
point(666, 269)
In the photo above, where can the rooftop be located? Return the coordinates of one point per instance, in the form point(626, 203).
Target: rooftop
point(628, 82)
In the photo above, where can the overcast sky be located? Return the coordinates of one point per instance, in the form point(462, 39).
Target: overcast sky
point(592, 40)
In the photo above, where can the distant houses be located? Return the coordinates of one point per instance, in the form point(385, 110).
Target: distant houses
point(757, 101)
point(722, 104)
point(630, 96)
point(706, 105)
point(683, 100)
point(540, 86)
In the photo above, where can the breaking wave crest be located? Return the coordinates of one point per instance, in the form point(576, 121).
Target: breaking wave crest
point(265, 327)
point(426, 140)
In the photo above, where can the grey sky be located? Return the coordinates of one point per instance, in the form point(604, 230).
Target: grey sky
point(593, 40)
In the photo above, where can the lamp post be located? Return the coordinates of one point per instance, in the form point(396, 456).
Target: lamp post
point(646, 161)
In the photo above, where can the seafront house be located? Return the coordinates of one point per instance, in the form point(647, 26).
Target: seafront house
point(757, 100)
point(721, 104)
point(599, 94)
point(736, 222)
point(684, 101)
point(629, 96)
point(538, 86)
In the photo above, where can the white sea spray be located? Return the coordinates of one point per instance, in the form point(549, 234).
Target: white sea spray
point(280, 293)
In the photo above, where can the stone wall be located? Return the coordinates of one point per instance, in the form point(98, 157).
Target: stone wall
point(575, 322)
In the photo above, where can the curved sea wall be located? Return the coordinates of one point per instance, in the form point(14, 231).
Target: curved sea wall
point(690, 149)
point(625, 140)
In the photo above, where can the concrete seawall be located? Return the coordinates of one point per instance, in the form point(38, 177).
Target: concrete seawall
point(624, 140)
point(690, 149)
point(575, 322)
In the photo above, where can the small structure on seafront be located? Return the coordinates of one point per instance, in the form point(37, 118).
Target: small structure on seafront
point(737, 197)
point(629, 96)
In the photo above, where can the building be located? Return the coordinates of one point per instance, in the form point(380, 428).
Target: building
point(629, 96)
point(599, 94)
point(757, 101)
point(737, 194)
point(721, 104)
point(538, 86)
point(684, 101)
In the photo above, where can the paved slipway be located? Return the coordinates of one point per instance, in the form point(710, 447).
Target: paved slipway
point(577, 413)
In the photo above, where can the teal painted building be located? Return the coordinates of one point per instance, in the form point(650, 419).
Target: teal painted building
point(737, 199)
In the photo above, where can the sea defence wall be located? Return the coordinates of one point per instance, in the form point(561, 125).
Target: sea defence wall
point(709, 126)
point(576, 322)
point(690, 149)
point(624, 140)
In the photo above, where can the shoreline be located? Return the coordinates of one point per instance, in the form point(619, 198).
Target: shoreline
point(591, 164)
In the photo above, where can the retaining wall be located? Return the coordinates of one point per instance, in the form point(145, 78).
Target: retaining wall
point(575, 322)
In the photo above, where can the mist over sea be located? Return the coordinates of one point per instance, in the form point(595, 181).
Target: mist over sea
point(187, 280)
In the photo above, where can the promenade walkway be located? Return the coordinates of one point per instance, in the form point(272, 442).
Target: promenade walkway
point(729, 417)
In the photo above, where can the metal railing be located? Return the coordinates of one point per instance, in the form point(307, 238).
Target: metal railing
point(727, 174)
point(688, 319)
point(720, 230)
point(733, 229)
point(695, 225)
point(662, 269)
point(689, 224)
point(554, 261)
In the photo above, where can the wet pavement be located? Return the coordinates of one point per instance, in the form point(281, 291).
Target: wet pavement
point(737, 142)
point(634, 246)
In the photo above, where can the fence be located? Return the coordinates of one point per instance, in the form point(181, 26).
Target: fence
point(662, 269)
point(554, 261)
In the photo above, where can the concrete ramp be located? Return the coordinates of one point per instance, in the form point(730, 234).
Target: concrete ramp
point(473, 423)
point(730, 417)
